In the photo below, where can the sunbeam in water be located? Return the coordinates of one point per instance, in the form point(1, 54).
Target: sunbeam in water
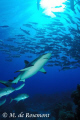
point(51, 6)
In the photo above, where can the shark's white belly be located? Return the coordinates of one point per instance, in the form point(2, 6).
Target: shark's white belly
point(34, 69)
point(36, 65)
point(30, 72)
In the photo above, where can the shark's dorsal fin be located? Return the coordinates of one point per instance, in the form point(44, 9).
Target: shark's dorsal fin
point(42, 70)
point(26, 62)
point(25, 69)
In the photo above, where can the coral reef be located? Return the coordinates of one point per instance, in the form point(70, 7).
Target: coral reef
point(76, 98)
point(68, 115)
point(63, 111)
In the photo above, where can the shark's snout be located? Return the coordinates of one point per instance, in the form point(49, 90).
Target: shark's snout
point(48, 55)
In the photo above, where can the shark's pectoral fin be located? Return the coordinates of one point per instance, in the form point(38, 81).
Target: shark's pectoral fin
point(25, 69)
point(42, 70)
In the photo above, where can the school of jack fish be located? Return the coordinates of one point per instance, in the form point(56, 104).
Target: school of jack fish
point(63, 44)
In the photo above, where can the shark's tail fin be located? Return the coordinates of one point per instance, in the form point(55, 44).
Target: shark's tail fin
point(11, 100)
point(6, 83)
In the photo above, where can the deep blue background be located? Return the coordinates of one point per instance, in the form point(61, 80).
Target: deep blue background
point(15, 14)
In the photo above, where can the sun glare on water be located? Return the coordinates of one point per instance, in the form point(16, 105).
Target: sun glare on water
point(49, 6)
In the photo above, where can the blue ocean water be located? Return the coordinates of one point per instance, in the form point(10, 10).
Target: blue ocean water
point(27, 31)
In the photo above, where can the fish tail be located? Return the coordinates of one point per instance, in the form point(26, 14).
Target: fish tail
point(11, 100)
